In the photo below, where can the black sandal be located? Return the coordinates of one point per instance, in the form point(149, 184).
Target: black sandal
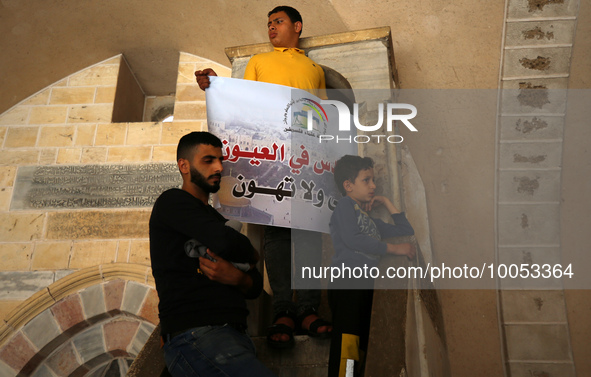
point(280, 328)
point(315, 325)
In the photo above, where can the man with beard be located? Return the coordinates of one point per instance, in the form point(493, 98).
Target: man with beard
point(202, 306)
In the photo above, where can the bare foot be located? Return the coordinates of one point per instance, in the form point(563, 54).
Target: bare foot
point(280, 337)
point(310, 319)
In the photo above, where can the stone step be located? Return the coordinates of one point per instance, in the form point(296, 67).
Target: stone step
point(308, 357)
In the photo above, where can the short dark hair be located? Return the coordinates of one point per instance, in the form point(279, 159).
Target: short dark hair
point(347, 168)
point(292, 13)
point(187, 144)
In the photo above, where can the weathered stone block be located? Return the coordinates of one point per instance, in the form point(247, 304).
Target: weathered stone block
point(48, 156)
point(16, 353)
point(96, 225)
point(51, 255)
point(535, 224)
point(15, 116)
point(530, 155)
point(17, 227)
point(18, 137)
point(68, 312)
point(140, 252)
point(134, 297)
point(93, 301)
point(105, 94)
point(129, 154)
point(68, 156)
point(172, 132)
point(189, 92)
point(149, 310)
point(41, 98)
point(19, 157)
point(101, 75)
point(111, 134)
point(56, 136)
point(531, 128)
point(141, 337)
point(529, 186)
point(63, 362)
point(533, 306)
point(533, 97)
point(42, 329)
point(186, 73)
point(7, 174)
point(165, 153)
point(544, 257)
point(48, 115)
point(190, 111)
point(15, 256)
point(94, 155)
point(5, 196)
point(43, 371)
point(90, 343)
point(114, 294)
point(71, 95)
point(85, 134)
point(92, 253)
point(119, 334)
point(537, 62)
point(90, 113)
point(538, 342)
point(541, 8)
point(539, 33)
point(144, 133)
point(3, 130)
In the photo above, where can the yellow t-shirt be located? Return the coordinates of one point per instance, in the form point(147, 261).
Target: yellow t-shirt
point(289, 67)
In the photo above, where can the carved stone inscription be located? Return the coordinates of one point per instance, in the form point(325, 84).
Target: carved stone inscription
point(92, 186)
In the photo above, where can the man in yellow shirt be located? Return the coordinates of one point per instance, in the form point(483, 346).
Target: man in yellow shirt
point(287, 65)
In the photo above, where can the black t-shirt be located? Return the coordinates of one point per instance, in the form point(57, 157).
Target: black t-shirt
point(187, 297)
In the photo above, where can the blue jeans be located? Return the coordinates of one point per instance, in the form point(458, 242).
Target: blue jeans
point(213, 351)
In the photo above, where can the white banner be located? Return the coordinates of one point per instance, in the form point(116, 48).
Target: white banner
point(276, 171)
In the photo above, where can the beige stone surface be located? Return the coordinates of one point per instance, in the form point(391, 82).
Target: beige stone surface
point(123, 251)
point(51, 255)
point(6, 306)
point(111, 134)
point(140, 252)
point(129, 154)
point(190, 111)
point(19, 157)
point(105, 94)
point(72, 95)
point(172, 132)
point(69, 155)
point(48, 115)
point(92, 253)
point(5, 196)
point(93, 155)
point(41, 98)
point(105, 74)
point(15, 116)
point(17, 137)
point(88, 225)
point(90, 113)
point(7, 175)
point(143, 133)
point(85, 134)
point(15, 256)
point(2, 134)
point(21, 227)
point(48, 156)
point(56, 136)
point(165, 153)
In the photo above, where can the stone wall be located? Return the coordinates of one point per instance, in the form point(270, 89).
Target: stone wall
point(69, 124)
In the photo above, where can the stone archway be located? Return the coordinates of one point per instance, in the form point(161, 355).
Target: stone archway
point(92, 321)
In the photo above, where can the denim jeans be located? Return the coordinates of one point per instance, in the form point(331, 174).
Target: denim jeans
point(307, 252)
point(213, 351)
